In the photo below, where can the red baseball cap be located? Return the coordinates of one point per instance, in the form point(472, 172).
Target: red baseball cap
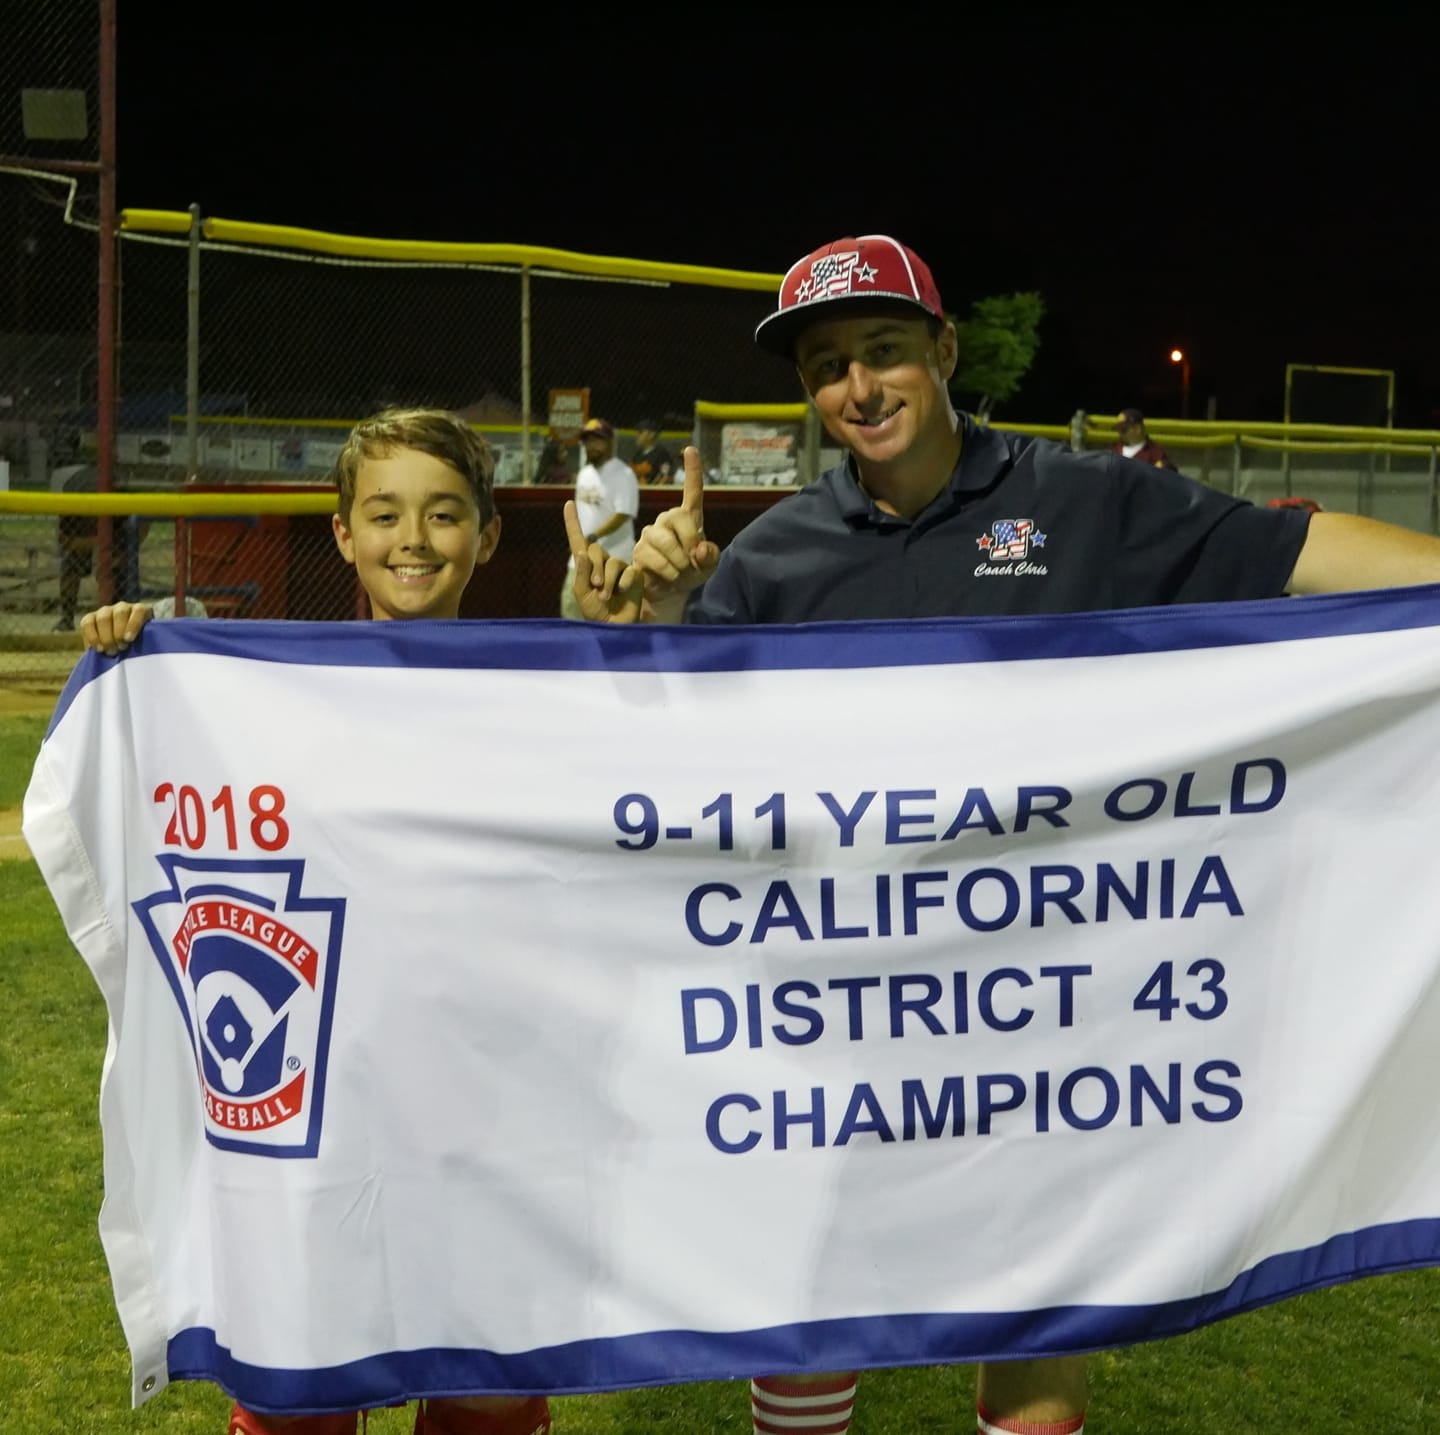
point(873, 271)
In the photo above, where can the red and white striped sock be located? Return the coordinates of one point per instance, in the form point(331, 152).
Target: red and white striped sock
point(782, 1405)
point(988, 1424)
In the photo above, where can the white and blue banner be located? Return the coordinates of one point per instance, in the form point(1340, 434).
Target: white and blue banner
point(541, 1006)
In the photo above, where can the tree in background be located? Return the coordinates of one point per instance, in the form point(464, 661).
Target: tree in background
point(998, 343)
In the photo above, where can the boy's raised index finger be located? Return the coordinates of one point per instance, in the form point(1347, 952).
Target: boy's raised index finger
point(692, 499)
point(573, 531)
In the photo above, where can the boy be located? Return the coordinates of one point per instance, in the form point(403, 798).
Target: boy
point(416, 515)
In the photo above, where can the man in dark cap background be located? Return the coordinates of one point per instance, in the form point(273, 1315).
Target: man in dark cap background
point(653, 462)
point(1135, 442)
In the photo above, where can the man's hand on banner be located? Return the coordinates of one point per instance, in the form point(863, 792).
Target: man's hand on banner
point(673, 553)
point(605, 588)
point(113, 628)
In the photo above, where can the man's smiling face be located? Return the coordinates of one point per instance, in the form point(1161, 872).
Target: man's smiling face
point(878, 382)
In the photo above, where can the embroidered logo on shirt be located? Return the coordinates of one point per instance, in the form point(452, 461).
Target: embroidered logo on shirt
point(1008, 548)
point(253, 966)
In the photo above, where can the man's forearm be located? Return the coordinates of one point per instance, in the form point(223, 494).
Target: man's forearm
point(1343, 552)
point(608, 527)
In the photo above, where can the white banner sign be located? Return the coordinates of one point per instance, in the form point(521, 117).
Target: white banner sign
point(540, 1006)
point(763, 455)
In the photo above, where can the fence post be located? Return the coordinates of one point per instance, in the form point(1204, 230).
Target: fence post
point(192, 405)
point(1434, 495)
point(1235, 459)
point(192, 349)
point(810, 454)
point(526, 473)
point(106, 306)
point(1077, 431)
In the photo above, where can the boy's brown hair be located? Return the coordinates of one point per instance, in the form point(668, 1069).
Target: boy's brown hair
point(437, 432)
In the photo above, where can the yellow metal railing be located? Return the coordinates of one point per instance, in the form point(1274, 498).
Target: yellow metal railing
point(424, 251)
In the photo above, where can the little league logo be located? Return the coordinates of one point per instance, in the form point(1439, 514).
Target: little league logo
point(1010, 538)
point(253, 967)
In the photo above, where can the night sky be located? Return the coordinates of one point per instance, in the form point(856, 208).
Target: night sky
point(1255, 199)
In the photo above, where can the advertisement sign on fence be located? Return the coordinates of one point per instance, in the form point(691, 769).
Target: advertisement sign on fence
point(761, 455)
point(569, 408)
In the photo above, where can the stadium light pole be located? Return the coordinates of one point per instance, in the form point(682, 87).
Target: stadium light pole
point(1179, 356)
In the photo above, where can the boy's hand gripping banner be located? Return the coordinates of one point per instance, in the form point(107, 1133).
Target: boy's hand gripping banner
point(542, 1007)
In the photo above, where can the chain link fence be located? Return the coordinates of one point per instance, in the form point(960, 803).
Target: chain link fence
point(48, 428)
point(1384, 473)
point(53, 85)
point(50, 147)
point(291, 343)
point(1391, 481)
point(246, 353)
point(50, 83)
point(241, 367)
point(1389, 474)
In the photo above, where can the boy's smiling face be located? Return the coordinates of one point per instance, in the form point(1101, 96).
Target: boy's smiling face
point(414, 535)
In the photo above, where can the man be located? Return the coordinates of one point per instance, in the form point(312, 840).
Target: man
point(77, 538)
point(932, 516)
point(1135, 442)
point(653, 462)
point(607, 498)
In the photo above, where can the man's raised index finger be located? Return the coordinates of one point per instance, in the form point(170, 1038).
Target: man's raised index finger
point(691, 500)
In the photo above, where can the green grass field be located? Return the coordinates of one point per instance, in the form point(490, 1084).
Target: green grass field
point(1359, 1358)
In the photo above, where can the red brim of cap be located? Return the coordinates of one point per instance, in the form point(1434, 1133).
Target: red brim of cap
point(779, 333)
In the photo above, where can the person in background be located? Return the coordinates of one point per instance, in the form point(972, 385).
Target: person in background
point(76, 534)
point(607, 499)
point(1135, 442)
point(553, 465)
point(653, 462)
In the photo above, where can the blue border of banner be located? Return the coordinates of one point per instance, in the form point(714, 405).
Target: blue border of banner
point(862, 1343)
point(555, 644)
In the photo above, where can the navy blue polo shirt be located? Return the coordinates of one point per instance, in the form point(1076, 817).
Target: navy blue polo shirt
point(1024, 526)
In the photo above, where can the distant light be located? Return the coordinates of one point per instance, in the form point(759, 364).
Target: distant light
point(1177, 356)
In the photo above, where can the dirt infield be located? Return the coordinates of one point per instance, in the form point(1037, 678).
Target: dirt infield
point(31, 681)
point(12, 844)
point(31, 696)
point(28, 698)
